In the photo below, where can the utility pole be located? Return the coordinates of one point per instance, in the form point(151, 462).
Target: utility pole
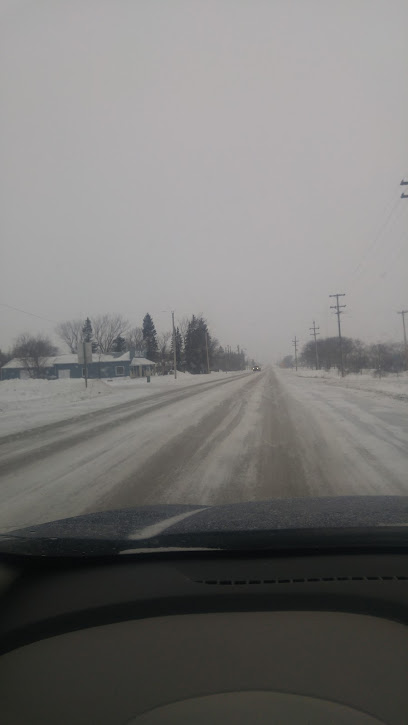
point(295, 343)
point(338, 313)
point(315, 333)
point(85, 364)
point(379, 360)
point(404, 183)
point(403, 313)
point(174, 347)
point(206, 349)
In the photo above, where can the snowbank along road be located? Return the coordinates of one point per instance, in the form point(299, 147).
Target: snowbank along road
point(249, 436)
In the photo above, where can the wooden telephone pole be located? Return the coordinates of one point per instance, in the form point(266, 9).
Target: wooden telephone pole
point(206, 350)
point(403, 313)
point(174, 346)
point(315, 333)
point(338, 313)
point(295, 343)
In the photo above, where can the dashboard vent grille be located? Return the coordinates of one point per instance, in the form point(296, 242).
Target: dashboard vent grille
point(300, 580)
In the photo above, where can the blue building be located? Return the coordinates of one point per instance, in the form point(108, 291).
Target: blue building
point(67, 366)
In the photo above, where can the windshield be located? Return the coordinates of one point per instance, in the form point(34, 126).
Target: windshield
point(203, 284)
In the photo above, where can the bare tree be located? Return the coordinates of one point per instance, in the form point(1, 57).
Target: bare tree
point(162, 340)
point(106, 329)
point(34, 352)
point(71, 333)
point(164, 349)
point(183, 324)
point(5, 357)
point(134, 339)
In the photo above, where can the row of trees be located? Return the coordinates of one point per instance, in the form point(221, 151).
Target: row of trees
point(357, 356)
point(107, 333)
point(196, 349)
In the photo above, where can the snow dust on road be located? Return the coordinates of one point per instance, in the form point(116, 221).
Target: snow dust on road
point(222, 439)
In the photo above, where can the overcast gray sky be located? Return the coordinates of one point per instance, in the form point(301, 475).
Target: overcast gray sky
point(239, 159)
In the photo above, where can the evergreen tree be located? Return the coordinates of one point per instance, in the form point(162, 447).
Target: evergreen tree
point(87, 331)
point(119, 344)
point(87, 334)
point(150, 338)
point(179, 348)
point(195, 346)
point(189, 345)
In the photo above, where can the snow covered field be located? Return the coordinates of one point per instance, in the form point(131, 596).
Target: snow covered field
point(393, 385)
point(26, 404)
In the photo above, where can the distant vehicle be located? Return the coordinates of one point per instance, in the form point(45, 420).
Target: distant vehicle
point(256, 369)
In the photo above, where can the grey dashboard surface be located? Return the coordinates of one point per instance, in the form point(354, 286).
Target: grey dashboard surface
point(109, 642)
point(115, 673)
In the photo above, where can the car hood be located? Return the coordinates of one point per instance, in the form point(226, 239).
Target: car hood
point(300, 523)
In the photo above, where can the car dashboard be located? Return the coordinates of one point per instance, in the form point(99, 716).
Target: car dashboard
point(205, 637)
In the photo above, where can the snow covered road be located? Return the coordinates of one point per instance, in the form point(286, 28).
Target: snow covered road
point(354, 441)
point(220, 440)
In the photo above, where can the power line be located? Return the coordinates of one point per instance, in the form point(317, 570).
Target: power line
point(374, 279)
point(369, 274)
point(32, 314)
point(47, 319)
point(376, 243)
point(381, 267)
point(379, 232)
point(386, 211)
point(359, 269)
point(395, 257)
